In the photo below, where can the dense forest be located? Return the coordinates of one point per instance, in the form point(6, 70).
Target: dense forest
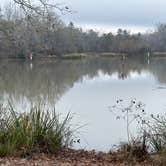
point(22, 33)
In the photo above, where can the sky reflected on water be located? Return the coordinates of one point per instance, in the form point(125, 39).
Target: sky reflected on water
point(87, 88)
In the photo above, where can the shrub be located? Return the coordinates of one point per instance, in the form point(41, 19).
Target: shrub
point(157, 133)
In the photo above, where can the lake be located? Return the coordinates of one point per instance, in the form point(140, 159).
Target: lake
point(87, 88)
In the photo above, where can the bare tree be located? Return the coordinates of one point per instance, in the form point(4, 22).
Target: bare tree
point(42, 7)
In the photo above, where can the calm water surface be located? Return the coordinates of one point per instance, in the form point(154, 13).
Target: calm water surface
point(87, 88)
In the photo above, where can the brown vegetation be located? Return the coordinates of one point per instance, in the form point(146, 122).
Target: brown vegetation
point(74, 158)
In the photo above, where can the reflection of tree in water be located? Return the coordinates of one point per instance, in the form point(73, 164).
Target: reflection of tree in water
point(43, 81)
point(50, 80)
point(158, 68)
point(122, 75)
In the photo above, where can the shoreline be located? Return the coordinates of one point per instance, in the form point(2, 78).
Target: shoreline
point(88, 54)
point(71, 157)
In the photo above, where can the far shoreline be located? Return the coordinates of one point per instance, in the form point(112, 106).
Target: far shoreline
point(87, 55)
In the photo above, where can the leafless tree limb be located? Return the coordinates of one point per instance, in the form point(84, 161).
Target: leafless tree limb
point(42, 7)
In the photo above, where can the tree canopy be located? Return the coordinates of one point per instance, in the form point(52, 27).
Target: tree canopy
point(37, 28)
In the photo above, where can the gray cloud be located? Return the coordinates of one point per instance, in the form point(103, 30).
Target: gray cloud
point(117, 13)
point(128, 12)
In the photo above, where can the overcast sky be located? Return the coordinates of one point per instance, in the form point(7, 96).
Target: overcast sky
point(137, 15)
point(105, 14)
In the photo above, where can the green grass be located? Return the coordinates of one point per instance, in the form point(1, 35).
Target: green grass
point(38, 130)
point(74, 56)
point(110, 54)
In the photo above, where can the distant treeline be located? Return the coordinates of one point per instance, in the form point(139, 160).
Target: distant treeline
point(22, 34)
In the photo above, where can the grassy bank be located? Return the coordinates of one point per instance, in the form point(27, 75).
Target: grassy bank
point(75, 56)
point(150, 142)
point(38, 130)
point(111, 54)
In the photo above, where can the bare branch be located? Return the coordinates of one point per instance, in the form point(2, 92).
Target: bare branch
point(42, 7)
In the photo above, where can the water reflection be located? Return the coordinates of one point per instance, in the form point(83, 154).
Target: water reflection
point(87, 87)
point(51, 80)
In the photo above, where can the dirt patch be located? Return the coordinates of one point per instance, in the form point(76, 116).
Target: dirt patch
point(72, 158)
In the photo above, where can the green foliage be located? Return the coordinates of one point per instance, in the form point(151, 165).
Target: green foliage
point(37, 130)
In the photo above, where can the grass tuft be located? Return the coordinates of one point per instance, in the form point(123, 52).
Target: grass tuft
point(38, 130)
